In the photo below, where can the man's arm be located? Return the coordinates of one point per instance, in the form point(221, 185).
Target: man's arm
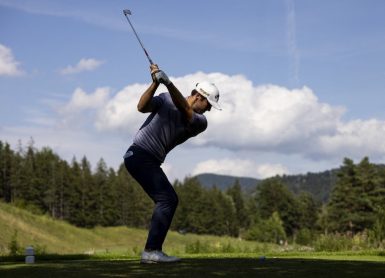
point(180, 101)
point(177, 98)
point(144, 104)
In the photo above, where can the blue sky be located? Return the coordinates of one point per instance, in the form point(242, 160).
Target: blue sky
point(302, 82)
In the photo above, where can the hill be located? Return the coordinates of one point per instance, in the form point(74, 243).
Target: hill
point(317, 184)
point(56, 236)
point(223, 181)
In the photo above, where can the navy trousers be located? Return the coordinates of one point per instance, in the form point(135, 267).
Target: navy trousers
point(145, 169)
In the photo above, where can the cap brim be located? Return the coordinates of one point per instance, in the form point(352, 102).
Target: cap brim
point(214, 104)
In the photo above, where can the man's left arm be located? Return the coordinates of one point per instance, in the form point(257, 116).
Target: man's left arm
point(177, 98)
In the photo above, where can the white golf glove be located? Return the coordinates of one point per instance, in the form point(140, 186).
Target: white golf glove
point(161, 77)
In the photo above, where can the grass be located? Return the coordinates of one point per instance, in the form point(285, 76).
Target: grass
point(114, 252)
point(209, 265)
point(59, 237)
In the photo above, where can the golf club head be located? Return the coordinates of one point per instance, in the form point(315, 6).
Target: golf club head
point(126, 12)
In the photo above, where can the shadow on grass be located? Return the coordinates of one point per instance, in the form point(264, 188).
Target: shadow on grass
point(225, 267)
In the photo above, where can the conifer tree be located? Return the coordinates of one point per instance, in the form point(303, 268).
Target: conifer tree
point(272, 196)
point(235, 192)
point(134, 206)
point(364, 214)
point(6, 163)
point(309, 211)
point(223, 214)
point(342, 200)
point(89, 195)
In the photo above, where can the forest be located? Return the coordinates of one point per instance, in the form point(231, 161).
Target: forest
point(40, 181)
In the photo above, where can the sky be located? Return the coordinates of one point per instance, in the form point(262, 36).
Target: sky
point(302, 83)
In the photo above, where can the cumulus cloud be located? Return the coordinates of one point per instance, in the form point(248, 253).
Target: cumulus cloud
point(265, 118)
point(8, 65)
point(239, 167)
point(83, 65)
point(80, 100)
point(120, 112)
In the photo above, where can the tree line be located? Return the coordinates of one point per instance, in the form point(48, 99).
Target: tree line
point(42, 182)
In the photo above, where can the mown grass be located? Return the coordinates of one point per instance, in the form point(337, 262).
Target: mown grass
point(58, 237)
point(209, 265)
point(114, 252)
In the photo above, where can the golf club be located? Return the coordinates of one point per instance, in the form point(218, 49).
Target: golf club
point(128, 12)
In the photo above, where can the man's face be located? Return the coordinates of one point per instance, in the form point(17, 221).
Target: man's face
point(201, 105)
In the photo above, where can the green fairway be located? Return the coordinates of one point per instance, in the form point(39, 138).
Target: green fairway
point(198, 267)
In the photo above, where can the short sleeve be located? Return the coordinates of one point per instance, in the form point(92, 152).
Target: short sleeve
point(157, 101)
point(198, 124)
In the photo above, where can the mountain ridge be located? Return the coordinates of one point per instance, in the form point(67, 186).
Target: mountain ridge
point(318, 184)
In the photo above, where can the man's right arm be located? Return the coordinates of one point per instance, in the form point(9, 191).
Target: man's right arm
point(144, 104)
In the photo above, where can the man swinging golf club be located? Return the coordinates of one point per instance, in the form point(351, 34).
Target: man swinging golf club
point(172, 121)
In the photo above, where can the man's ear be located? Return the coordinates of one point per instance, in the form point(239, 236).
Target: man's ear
point(199, 97)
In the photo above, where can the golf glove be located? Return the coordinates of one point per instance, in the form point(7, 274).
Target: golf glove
point(161, 77)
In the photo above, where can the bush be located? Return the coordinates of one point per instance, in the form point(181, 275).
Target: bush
point(304, 237)
point(270, 230)
point(377, 233)
point(14, 246)
point(333, 242)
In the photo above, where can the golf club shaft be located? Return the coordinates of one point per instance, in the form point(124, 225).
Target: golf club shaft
point(141, 44)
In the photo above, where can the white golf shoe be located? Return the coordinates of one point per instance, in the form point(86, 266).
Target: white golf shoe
point(156, 256)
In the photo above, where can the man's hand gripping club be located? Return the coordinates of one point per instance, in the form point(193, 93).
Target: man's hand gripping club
point(158, 76)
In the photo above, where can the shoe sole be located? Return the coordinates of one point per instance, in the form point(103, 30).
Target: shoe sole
point(148, 262)
point(157, 262)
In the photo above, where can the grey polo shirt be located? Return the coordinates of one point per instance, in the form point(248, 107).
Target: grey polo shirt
point(166, 127)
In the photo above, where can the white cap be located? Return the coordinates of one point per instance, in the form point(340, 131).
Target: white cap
point(209, 91)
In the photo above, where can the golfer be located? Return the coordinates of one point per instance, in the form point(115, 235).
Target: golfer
point(173, 119)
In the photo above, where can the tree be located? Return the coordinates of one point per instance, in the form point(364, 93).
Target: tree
point(89, 195)
point(353, 200)
point(134, 207)
point(364, 213)
point(268, 230)
point(193, 208)
point(235, 193)
point(6, 163)
point(309, 211)
point(272, 196)
point(222, 220)
point(203, 211)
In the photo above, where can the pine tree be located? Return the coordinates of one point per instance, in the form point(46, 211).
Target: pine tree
point(352, 207)
point(134, 206)
point(309, 211)
point(342, 200)
point(6, 163)
point(29, 191)
point(193, 209)
point(224, 214)
point(235, 193)
point(364, 213)
point(89, 195)
point(272, 196)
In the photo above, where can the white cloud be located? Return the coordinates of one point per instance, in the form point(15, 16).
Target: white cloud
point(82, 107)
point(120, 112)
point(83, 65)
point(267, 121)
point(240, 168)
point(355, 138)
point(80, 100)
point(266, 118)
point(8, 65)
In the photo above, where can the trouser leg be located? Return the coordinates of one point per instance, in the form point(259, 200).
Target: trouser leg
point(155, 183)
